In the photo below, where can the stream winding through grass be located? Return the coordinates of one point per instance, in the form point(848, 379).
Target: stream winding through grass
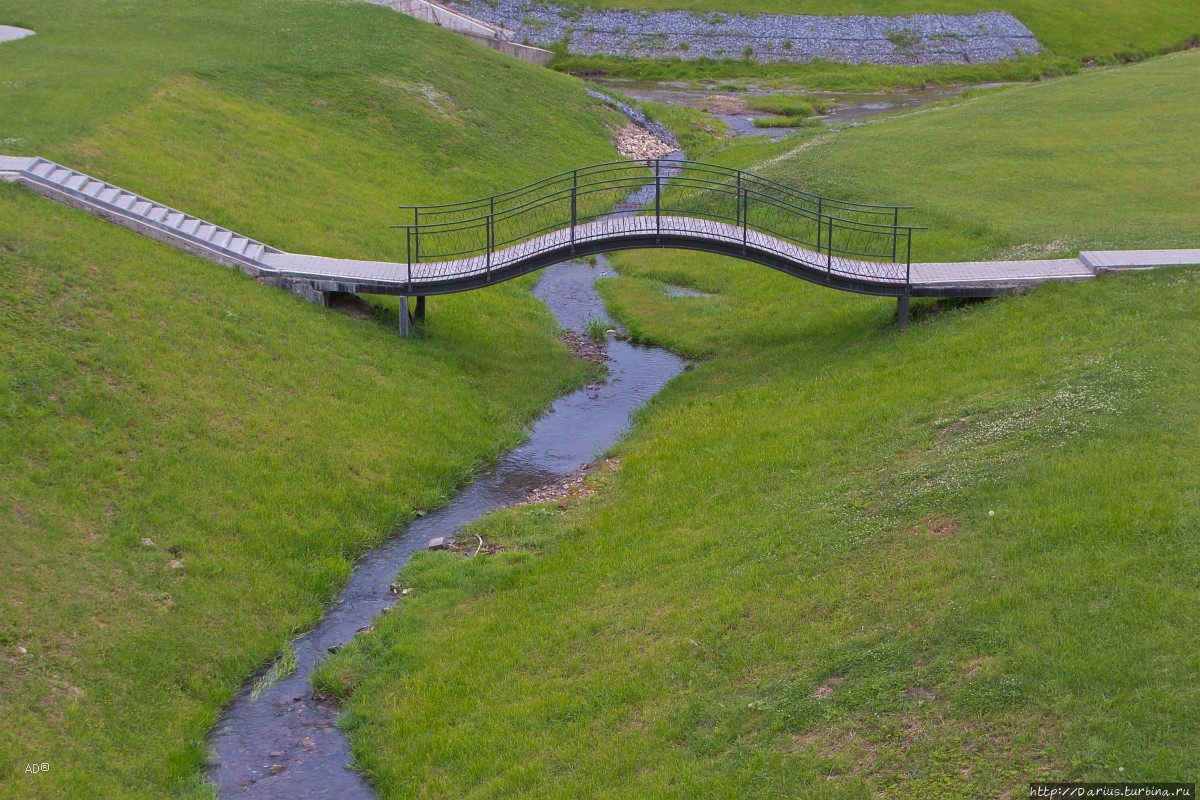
point(278, 741)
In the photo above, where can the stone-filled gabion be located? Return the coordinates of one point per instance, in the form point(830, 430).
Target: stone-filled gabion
point(920, 39)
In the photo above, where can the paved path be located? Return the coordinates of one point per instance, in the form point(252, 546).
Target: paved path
point(9, 33)
point(315, 276)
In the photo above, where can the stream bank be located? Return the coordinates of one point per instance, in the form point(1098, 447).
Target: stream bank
point(279, 741)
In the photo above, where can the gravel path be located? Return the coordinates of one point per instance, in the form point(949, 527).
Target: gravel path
point(916, 40)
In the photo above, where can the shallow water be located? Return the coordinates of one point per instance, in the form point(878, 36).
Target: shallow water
point(285, 744)
point(850, 106)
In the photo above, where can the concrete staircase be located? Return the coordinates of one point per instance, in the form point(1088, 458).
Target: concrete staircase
point(139, 213)
point(476, 30)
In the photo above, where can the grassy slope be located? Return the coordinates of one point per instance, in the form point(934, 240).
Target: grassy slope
point(795, 586)
point(149, 394)
point(1090, 162)
point(1079, 29)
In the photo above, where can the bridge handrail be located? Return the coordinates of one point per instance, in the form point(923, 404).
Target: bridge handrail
point(696, 194)
point(658, 163)
point(562, 194)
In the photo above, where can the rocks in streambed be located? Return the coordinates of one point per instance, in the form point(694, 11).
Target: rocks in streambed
point(570, 486)
point(640, 145)
point(585, 347)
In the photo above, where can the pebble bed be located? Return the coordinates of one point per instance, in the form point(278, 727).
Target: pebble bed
point(639, 118)
point(921, 39)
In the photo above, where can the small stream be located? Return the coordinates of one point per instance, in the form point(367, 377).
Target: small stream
point(285, 744)
point(730, 108)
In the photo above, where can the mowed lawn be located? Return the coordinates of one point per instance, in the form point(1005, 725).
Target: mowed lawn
point(842, 561)
point(190, 462)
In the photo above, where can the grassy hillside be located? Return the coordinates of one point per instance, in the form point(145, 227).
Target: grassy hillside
point(257, 443)
point(1096, 161)
point(841, 561)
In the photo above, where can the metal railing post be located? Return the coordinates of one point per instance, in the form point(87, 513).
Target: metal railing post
point(895, 231)
point(657, 200)
point(829, 246)
point(908, 263)
point(745, 218)
point(408, 249)
point(574, 208)
point(738, 199)
point(417, 234)
point(820, 219)
point(491, 236)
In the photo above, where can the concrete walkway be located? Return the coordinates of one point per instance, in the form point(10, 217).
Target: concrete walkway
point(316, 277)
point(10, 33)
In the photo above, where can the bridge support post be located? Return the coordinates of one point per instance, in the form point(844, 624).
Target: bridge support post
point(404, 321)
point(902, 312)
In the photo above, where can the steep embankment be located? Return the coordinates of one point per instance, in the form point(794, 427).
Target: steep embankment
point(189, 461)
point(839, 561)
point(1098, 29)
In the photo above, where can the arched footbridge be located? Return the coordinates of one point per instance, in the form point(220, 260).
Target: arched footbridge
point(624, 205)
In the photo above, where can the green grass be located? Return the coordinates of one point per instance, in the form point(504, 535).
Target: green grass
point(787, 105)
point(841, 561)
point(262, 442)
point(824, 75)
point(1098, 155)
point(785, 122)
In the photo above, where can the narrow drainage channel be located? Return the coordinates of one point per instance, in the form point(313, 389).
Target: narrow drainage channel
point(730, 105)
point(285, 744)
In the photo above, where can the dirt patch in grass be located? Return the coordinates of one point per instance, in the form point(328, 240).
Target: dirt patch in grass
point(938, 527)
point(908, 753)
point(828, 687)
point(720, 104)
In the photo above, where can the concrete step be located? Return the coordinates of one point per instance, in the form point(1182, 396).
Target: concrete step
point(43, 168)
point(255, 251)
point(237, 245)
point(76, 181)
point(17, 163)
point(221, 237)
point(189, 226)
point(93, 188)
point(158, 213)
point(206, 230)
point(124, 201)
point(174, 218)
point(108, 195)
point(141, 207)
point(60, 174)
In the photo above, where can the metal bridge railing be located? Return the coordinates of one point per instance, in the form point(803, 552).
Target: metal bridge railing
point(702, 202)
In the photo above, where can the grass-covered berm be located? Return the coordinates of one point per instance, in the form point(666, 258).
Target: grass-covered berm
point(190, 462)
point(839, 560)
point(1071, 34)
